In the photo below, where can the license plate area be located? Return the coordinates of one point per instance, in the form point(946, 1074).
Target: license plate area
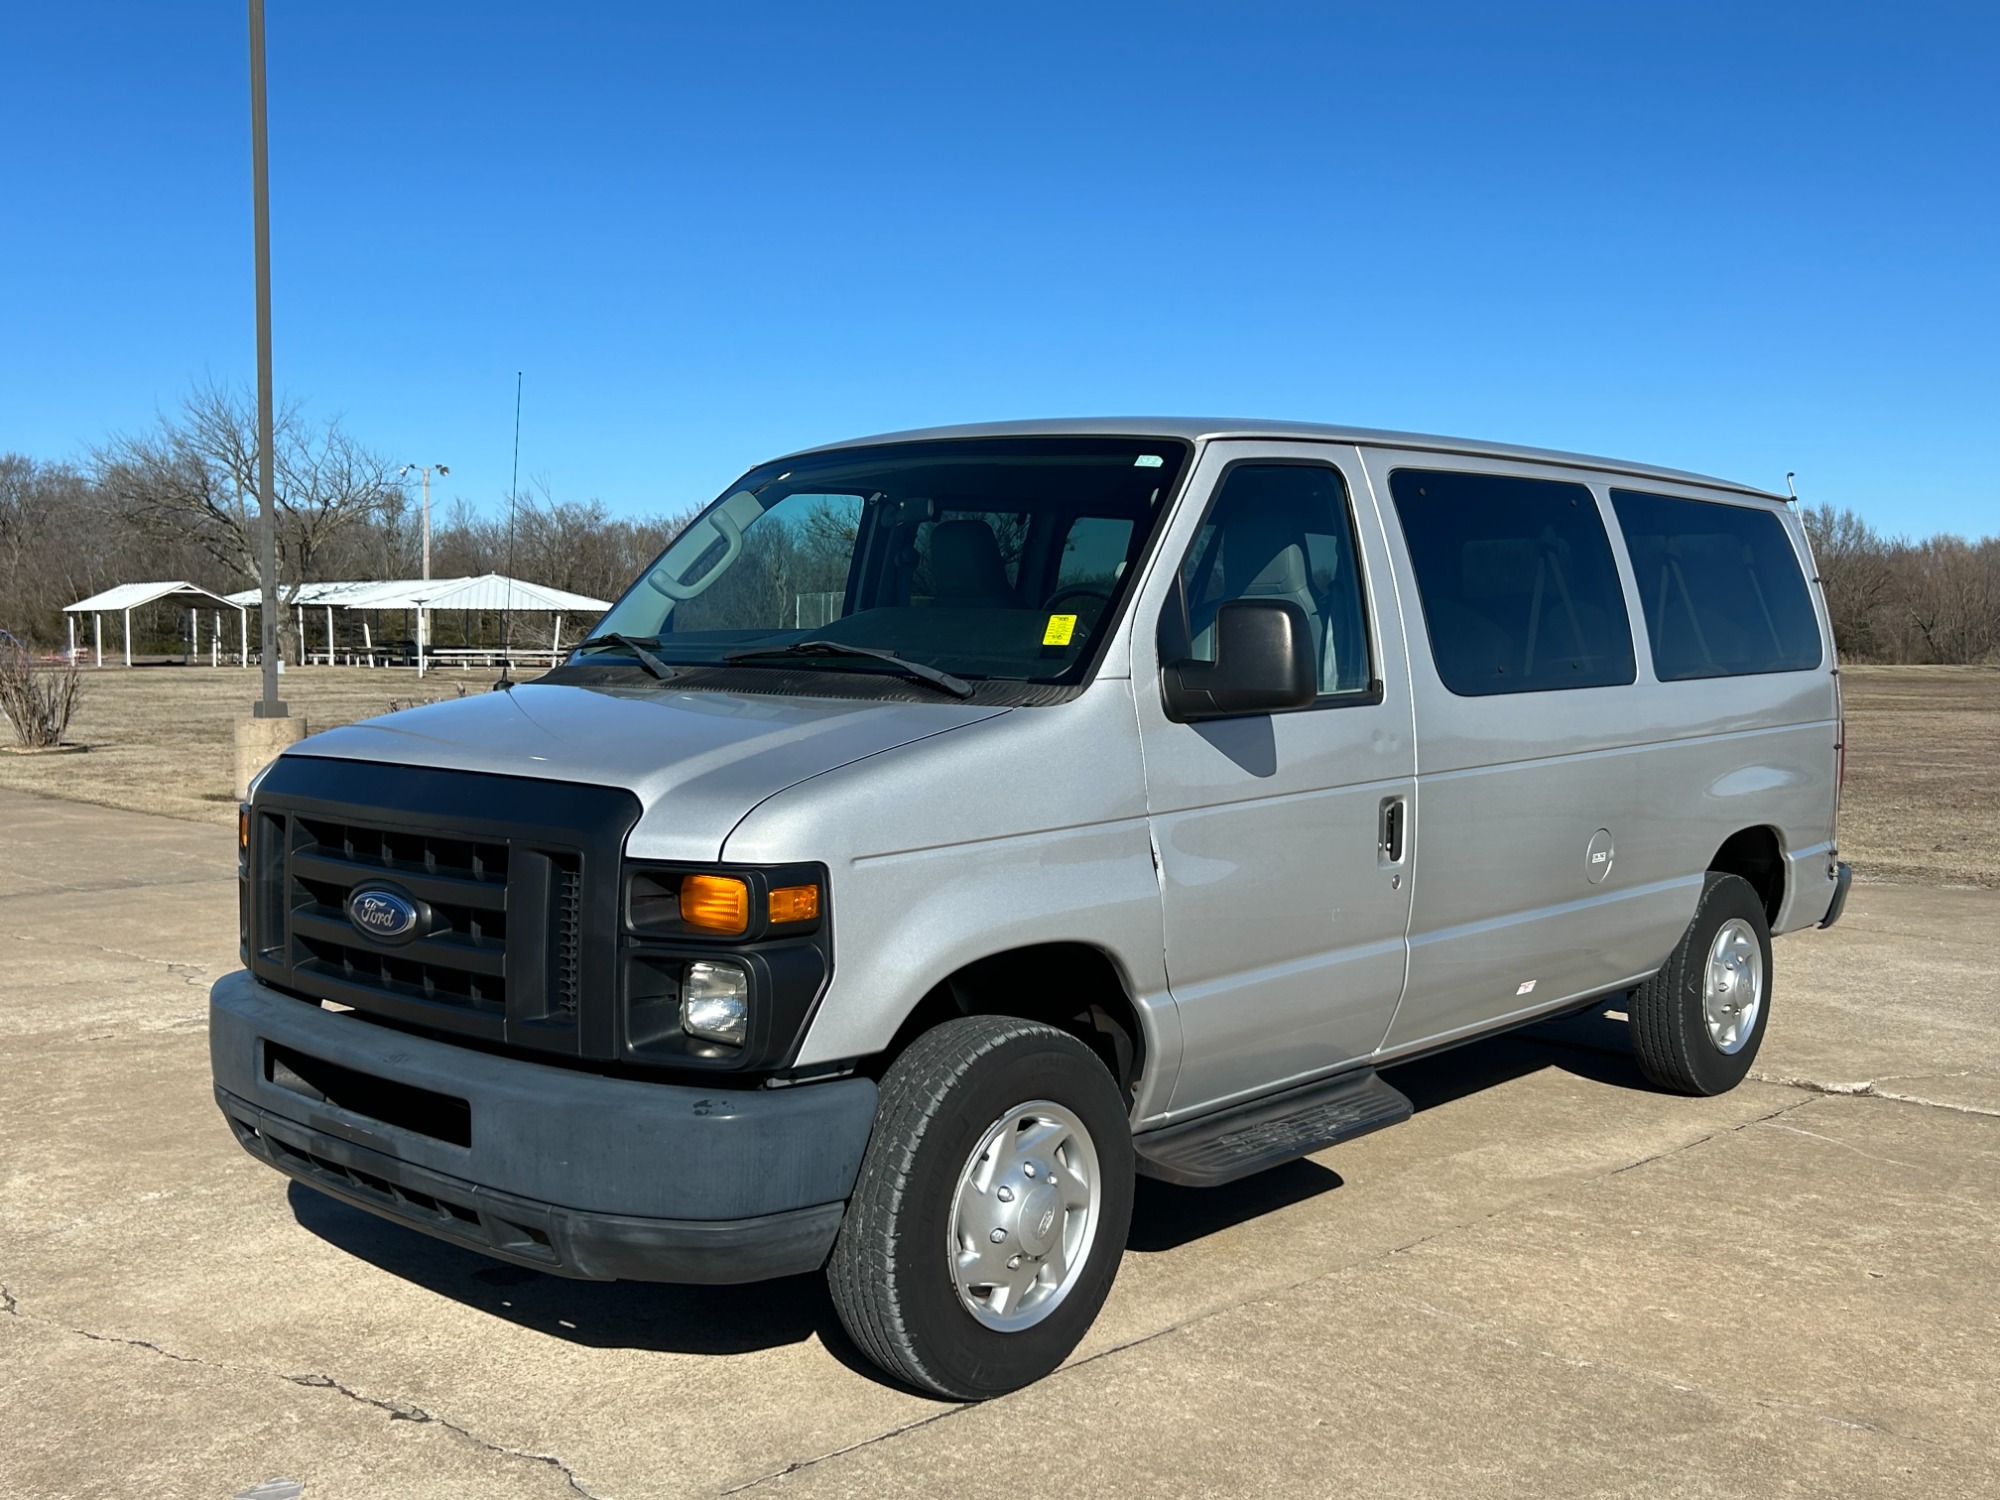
point(442, 1117)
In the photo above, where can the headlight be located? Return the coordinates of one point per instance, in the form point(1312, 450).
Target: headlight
point(715, 1002)
point(719, 968)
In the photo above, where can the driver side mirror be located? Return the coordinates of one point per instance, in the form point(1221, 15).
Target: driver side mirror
point(1264, 662)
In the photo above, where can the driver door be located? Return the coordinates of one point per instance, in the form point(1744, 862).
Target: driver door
point(1284, 840)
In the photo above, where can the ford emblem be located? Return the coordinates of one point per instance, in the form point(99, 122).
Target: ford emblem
point(383, 913)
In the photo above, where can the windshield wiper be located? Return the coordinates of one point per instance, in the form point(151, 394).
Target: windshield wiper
point(944, 682)
point(646, 658)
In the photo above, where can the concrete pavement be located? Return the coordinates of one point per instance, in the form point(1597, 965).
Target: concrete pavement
point(1551, 1281)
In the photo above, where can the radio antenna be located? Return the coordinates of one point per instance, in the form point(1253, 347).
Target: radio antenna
point(1790, 488)
point(513, 504)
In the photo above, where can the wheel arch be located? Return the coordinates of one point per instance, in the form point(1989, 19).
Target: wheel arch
point(1757, 854)
point(1074, 986)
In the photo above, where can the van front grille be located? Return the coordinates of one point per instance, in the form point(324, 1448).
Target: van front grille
point(512, 937)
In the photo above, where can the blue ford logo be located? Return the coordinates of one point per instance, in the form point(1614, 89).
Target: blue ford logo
point(383, 913)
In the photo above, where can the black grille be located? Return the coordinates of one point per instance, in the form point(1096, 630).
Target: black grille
point(514, 881)
point(460, 955)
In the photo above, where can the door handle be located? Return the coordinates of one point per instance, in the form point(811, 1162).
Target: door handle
point(1392, 830)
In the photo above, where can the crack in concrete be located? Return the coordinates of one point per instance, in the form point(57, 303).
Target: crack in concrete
point(112, 1338)
point(1869, 1088)
point(190, 972)
point(798, 1464)
point(1704, 1140)
point(404, 1411)
point(399, 1411)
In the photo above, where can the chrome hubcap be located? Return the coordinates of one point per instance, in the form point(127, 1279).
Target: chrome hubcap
point(1024, 1216)
point(1733, 994)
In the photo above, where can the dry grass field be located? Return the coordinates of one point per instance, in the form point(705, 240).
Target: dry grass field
point(1923, 759)
point(1923, 774)
point(162, 739)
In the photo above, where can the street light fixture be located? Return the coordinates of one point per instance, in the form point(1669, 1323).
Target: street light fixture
point(425, 470)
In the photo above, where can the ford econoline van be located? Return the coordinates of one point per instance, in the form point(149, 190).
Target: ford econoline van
point(951, 825)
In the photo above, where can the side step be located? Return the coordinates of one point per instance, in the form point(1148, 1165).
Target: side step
point(1268, 1132)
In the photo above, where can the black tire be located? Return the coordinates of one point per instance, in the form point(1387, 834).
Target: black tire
point(889, 1272)
point(1669, 1032)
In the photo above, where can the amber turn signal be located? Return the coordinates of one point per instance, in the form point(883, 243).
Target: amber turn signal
point(715, 903)
point(795, 903)
point(242, 828)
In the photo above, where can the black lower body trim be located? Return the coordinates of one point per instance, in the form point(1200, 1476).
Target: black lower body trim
point(544, 1236)
point(1270, 1131)
point(1843, 878)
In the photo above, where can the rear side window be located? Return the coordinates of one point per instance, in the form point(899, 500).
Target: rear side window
point(1720, 588)
point(1519, 590)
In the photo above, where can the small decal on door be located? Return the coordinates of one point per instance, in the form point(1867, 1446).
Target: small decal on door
point(1525, 987)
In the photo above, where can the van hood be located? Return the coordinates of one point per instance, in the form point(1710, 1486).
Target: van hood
point(698, 761)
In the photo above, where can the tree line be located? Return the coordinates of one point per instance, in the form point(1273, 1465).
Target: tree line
point(1897, 600)
point(179, 501)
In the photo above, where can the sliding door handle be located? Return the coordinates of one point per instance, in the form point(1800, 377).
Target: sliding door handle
point(1392, 830)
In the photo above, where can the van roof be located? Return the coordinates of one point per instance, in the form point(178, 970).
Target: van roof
point(1199, 428)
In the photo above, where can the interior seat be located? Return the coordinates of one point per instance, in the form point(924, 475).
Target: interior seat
point(966, 568)
point(1263, 557)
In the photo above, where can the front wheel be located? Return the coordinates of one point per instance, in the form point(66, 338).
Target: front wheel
point(991, 1209)
point(1697, 1024)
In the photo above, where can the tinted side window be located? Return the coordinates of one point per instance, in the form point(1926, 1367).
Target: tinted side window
point(1282, 531)
point(1519, 590)
point(1720, 587)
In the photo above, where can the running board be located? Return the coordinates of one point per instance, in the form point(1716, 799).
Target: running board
point(1270, 1131)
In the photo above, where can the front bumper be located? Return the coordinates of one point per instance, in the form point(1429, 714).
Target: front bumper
point(570, 1172)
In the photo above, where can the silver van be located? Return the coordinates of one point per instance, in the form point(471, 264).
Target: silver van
point(952, 825)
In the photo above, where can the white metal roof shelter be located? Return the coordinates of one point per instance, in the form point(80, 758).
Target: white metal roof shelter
point(495, 593)
point(489, 593)
point(127, 597)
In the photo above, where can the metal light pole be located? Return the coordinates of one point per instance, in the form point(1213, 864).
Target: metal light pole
point(270, 706)
point(425, 470)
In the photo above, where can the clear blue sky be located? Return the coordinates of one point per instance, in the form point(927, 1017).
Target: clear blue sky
point(1741, 237)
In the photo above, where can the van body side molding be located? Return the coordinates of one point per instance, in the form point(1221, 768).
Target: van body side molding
point(1265, 1132)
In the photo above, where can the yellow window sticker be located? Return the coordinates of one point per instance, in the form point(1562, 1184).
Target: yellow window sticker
point(1061, 628)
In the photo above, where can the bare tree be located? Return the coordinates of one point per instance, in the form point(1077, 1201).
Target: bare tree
point(55, 544)
point(195, 475)
point(1949, 590)
point(1857, 567)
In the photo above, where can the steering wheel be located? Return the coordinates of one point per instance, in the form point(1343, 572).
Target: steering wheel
point(1078, 590)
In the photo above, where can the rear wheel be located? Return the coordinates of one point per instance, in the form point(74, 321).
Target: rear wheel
point(991, 1210)
point(1697, 1024)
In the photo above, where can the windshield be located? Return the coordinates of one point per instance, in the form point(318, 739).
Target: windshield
point(997, 558)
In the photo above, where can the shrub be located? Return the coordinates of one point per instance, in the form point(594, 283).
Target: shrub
point(37, 703)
